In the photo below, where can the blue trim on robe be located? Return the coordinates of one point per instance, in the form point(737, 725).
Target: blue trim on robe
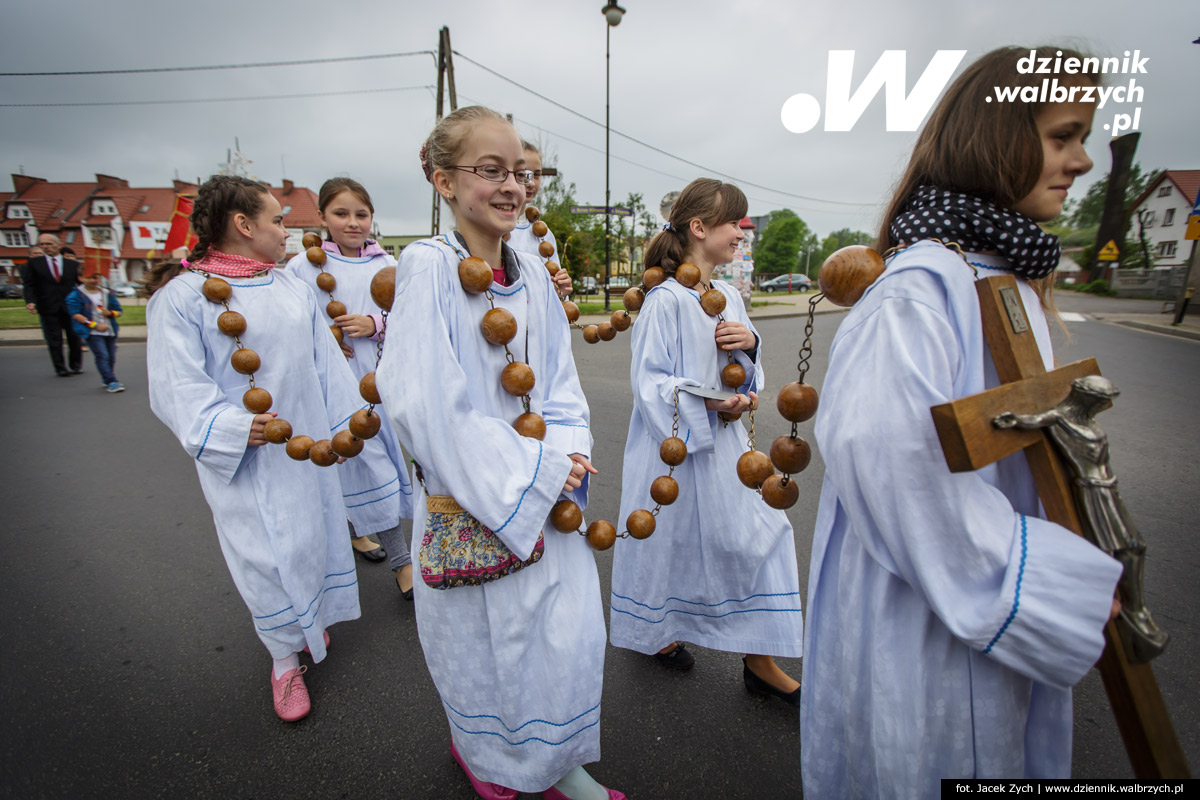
point(1017, 595)
point(208, 433)
point(593, 709)
point(319, 596)
point(536, 470)
point(613, 608)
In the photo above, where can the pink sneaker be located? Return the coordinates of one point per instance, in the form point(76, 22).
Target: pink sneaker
point(488, 791)
point(291, 695)
point(555, 794)
point(325, 636)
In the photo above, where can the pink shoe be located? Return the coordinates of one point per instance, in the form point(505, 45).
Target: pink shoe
point(291, 695)
point(325, 636)
point(555, 794)
point(488, 791)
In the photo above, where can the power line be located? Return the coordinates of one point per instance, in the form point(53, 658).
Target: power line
point(709, 170)
point(218, 66)
point(214, 99)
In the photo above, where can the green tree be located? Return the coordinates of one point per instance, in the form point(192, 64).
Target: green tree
point(782, 244)
point(836, 241)
point(1086, 213)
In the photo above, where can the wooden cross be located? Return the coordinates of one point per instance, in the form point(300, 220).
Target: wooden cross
point(970, 441)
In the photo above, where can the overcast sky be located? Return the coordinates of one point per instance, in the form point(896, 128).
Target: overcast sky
point(702, 80)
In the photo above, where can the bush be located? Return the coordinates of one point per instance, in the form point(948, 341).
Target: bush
point(1099, 287)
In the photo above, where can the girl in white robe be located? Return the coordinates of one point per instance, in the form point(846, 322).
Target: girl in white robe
point(280, 522)
point(517, 662)
point(720, 569)
point(947, 620)
point(375, 483)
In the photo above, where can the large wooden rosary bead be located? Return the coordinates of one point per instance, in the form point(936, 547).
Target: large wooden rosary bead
point(475, 275)
point(591, 334)
point(531, 425)
point(217, 290)
point(797, 402)
point(540, 229)
point(545, 249)
point(316, 256)
point(298, 447)
point(257, 401)
point(321, 454)
point(572, 310)
point(733, 376)
point(672, 451)
point(664, 490)
point(532, 214)
point(335, 309)
point(728, 416)
point(311, 239)
point(621, 320)
point(713, 302)
point(653, 277)
point(601, 535)
point(606, 331)
point(640, 524)
point(277, 431)
point(848, 273)
point(566, 516)
point(790, 454)
point(326, 282)
point(231, 323)
point(383, 288)
point(633, 298)
point(346, 444)
point(364, 423)
point(552, 267)
point(517, 379)
point(499, 326)
point(688, 275)
point(337, 334)
point(780, 492)
point(245, 361)
point(753, 468)
point(368, 390)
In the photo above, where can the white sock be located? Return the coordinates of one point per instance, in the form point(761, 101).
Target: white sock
point(284, 665)
point(578, 785)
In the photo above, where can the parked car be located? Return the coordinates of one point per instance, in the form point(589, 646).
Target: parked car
point(9, 291)
point(798, 281)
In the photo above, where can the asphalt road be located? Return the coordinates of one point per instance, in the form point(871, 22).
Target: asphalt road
point(129, 668)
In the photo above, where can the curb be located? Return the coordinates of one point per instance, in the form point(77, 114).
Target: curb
point(1168, 330)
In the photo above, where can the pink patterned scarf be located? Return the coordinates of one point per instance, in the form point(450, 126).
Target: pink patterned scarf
point(228, 265)
point(370, 248)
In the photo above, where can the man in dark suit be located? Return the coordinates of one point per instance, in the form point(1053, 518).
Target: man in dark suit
point(48, 280)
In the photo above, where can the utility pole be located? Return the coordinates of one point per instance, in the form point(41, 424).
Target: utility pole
point(445, 64)
point(1112, 219)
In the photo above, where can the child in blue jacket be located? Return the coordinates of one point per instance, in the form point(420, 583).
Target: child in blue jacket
point(94, 313)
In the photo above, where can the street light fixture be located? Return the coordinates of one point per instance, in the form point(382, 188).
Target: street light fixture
point(612, 15)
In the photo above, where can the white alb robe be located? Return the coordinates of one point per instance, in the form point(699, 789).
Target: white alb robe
point(946, 620)
point(523, 241)
point(375, 483)
point(281, 522)
point(518, 662)
point(720, 569)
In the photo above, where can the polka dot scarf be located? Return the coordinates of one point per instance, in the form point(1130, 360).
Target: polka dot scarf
point(934, 213)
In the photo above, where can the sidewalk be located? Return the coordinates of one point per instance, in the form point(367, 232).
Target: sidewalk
point(781, 305)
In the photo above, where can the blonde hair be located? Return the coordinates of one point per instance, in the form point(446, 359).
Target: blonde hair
point(445, 141)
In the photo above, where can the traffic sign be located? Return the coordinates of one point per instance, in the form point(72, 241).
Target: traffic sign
point(618, 211)
point(1193, 223)
point(1109, 252)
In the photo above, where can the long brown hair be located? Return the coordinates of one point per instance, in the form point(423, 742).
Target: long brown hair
point(706, 199)
point(976, 145)
point(335, 186)
point(216, 202)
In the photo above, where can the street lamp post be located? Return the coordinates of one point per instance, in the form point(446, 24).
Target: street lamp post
point(612, 15)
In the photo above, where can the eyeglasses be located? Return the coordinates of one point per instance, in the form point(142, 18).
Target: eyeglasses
point(498, 174)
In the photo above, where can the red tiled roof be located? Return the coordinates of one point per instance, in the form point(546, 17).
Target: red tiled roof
point(304, 213)
point(746, 223)
point(45, 198)
point(1187, 181)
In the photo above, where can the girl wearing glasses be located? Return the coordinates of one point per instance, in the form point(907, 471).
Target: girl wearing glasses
point(375, 484)
point(517, 661)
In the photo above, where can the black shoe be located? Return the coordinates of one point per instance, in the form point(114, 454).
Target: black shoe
point(62, 373)
point(407, 594)
point(756, 685)
point(374, 556)
point(76, 372)
point(679, 658)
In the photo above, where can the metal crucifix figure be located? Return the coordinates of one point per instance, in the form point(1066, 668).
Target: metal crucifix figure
point(1083, 444)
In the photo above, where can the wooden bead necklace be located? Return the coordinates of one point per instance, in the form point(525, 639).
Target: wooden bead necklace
point(325, 282)
point(324, 452)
